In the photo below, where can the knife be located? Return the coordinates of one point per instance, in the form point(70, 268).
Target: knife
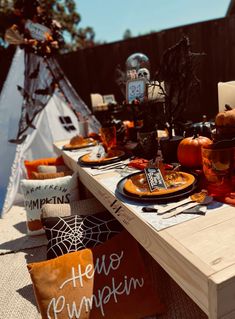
point(179, 210)
point(148, 209)
point(180, 204)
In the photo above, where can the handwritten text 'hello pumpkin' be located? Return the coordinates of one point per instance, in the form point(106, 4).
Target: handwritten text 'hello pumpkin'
point(104, 294)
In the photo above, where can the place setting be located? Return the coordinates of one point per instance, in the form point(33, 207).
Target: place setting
point(165, 195)
point(150, 186)
point(164, 202)
point(105, 156)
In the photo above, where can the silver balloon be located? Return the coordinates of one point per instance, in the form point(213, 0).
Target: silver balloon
point(135, 62)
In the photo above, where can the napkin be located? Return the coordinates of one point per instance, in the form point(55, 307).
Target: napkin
point(98, 152)
point(199, 209)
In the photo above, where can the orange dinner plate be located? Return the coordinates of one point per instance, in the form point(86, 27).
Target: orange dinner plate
point(85, 143)
point(138, 185)
point(112, 155)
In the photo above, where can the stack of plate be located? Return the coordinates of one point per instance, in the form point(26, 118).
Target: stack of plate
point(162, 196)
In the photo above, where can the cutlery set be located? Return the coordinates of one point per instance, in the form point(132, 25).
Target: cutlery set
point(119, 165)
point(197, 201)
point(191, 208)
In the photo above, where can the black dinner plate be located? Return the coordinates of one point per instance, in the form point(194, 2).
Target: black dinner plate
point(166, 198)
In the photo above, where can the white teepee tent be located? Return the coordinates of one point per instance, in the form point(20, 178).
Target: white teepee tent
point(35, 131)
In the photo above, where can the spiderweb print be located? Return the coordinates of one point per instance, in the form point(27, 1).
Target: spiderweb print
point(73, 233)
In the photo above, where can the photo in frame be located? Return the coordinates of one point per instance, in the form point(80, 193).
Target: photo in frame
point(135, 89)
point(109, 98)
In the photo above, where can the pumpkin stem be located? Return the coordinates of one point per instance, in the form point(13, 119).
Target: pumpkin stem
point(195, 134)
point(227, 107)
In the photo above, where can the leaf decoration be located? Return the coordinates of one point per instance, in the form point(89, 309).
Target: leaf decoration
point(47, 91)
point(42, 91)
point(22, 92)
point(18, 140)
point(35, 73)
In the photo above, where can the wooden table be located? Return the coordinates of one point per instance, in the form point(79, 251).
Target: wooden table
point(198, 254)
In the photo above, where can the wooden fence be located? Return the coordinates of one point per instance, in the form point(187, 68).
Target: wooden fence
point(92, 70)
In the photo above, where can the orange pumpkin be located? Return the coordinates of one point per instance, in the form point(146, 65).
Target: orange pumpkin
point(189, 150)
point(226, 118)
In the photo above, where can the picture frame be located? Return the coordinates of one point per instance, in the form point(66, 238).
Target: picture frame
point(135, 89)
point(109, 98)
point(36, 30)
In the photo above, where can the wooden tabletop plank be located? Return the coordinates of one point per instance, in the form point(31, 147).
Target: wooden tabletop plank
point(185, 230)
point(222, 294)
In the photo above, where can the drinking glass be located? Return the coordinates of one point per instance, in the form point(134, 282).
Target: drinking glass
point(108, 137)
point(83, 128)
point(149, 144)
point(218, 167)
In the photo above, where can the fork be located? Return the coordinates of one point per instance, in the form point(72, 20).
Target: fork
point(110, 166)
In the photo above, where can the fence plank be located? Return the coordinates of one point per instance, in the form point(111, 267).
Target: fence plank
point(92, 70)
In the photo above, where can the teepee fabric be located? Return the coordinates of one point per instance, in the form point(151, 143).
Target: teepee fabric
point(38, 106)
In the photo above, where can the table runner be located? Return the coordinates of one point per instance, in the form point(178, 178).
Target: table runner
point(152, 218)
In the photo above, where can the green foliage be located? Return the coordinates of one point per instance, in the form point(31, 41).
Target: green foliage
point(127, 34)
point(63, 11)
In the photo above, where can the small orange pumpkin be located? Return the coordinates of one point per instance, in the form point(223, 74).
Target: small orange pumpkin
point(226, 118)
point(189, 150)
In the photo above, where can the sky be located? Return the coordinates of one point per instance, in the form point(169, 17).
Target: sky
point(111, 18)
